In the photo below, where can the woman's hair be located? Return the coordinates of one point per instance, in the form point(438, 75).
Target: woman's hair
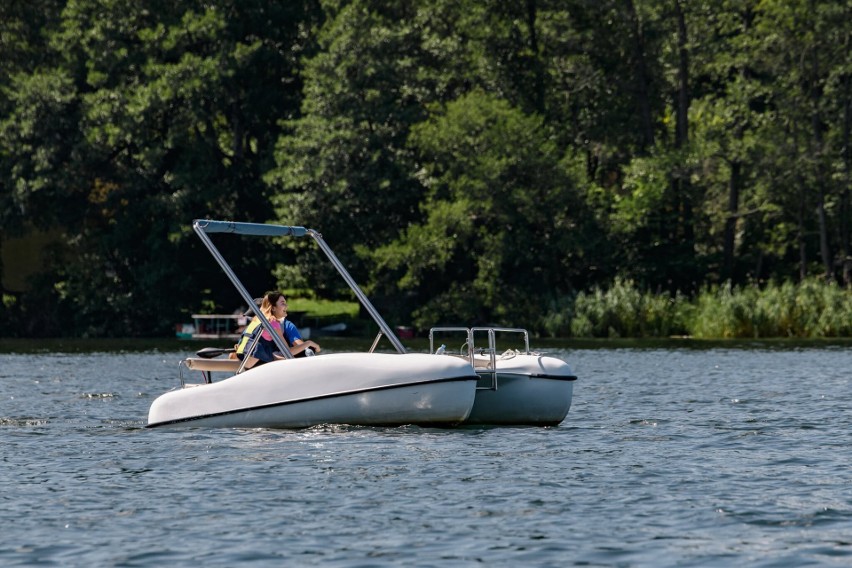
point(269, 300)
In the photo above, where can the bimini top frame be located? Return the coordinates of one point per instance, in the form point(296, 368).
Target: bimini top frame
point(203, 227)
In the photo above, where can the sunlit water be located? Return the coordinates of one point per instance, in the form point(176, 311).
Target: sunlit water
point(669, 457)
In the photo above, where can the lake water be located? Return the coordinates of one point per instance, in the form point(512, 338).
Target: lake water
point(724, 456)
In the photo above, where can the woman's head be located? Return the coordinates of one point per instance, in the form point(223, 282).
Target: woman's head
point(274, 302)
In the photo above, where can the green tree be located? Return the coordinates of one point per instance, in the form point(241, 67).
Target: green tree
point(166, 112)
point(23, 27)
point(803, 47)
point(646, 192)
point(502, 218)
point(342, 164)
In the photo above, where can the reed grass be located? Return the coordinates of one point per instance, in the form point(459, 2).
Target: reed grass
point(625, 311)
point(813, 308)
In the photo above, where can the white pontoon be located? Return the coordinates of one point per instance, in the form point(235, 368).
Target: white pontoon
point(345, 388)
point(516, 386)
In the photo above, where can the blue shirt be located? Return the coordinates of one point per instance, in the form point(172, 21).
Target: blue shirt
point(291, 332)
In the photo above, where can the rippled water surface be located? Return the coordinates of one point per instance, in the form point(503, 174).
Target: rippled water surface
point(669, 457)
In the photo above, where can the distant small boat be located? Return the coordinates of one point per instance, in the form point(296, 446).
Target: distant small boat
point(334, 329)
point(220, 326)
point(213, 326)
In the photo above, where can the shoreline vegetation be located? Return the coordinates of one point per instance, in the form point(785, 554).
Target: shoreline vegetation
point(810, 309)
point(169, 345)
point(812, 312)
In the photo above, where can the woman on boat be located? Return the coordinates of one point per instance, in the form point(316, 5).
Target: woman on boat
point(274, 308)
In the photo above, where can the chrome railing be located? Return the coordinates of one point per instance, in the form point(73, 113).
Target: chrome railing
point(471, 350)
point(204, 226)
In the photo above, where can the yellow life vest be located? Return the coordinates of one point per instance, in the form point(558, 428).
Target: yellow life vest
point(249, 333)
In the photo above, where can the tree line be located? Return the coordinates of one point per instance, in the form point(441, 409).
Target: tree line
point(469, 161)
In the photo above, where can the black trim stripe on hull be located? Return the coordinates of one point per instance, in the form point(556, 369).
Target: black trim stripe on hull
point(321, 397)
point(554, 377)
point(569, 378)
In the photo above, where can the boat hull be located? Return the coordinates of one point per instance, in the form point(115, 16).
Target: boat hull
point(346, 388)
point(530, 390)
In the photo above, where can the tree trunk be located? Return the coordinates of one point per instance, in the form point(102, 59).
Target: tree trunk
point(803, 257)
point(734, 184)
point(735, 181)
point(683, 188)
point(758, 265)
point(641, 69)
point(239, 136)
point(532, 15)
point(821, 179)
point(682, 125)
point(824, 250)
point(844, 197)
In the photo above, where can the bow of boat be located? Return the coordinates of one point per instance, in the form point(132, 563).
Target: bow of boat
point(351, 388)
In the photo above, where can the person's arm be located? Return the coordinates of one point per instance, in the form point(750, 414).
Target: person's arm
point(294, 339)
point(300, 345)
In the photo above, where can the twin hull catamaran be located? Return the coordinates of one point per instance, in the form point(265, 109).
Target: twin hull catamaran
point(474, 386)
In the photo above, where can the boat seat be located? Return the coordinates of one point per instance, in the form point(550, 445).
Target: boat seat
point(212, 365)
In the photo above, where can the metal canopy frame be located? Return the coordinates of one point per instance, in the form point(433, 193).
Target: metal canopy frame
point(203, 227)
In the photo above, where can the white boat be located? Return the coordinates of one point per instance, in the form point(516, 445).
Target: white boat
point(516, 386)
point(342, 388)
point(476, 386)
point(346, 388)
point(212, 326)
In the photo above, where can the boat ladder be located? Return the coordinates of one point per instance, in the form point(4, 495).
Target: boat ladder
point(482, 359)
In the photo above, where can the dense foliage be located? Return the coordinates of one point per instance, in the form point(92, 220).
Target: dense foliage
point(812, 308)
point(471, 162)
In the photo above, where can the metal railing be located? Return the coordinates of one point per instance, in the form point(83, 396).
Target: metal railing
point(204, 226)
point(470, 345)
